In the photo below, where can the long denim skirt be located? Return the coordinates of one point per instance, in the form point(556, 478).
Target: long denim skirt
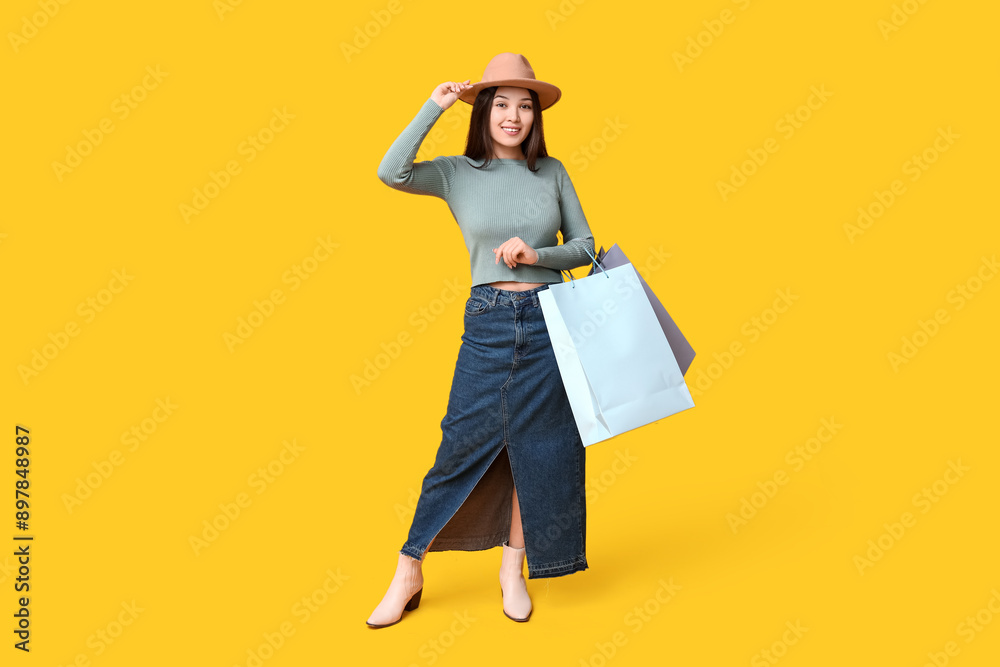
point(508, 424)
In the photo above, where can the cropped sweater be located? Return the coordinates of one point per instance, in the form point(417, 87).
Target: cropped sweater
point(496, 203)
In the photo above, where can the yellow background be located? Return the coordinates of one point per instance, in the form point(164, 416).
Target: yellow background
point(342, 505)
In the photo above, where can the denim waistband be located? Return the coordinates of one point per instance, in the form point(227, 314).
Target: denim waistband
point(496, 296)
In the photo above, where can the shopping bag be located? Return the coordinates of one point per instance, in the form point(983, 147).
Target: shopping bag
point(614, 359)
point(683, 352)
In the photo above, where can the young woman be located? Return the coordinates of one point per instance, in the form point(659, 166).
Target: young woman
point(510, 468)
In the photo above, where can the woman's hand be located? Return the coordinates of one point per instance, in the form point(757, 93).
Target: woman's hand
point(447, 93)
point(515, 251)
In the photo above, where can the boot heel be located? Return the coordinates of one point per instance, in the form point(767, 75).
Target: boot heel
point(414, 601)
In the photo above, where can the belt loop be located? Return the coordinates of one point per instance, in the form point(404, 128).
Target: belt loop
point(534, 295)
point(496, 295)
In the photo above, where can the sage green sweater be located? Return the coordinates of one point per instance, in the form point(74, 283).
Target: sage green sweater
point(494, 204)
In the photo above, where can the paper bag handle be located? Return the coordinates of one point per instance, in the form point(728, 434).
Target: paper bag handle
point(596, 262)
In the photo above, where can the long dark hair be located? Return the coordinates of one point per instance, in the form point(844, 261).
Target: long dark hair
point(479, 144)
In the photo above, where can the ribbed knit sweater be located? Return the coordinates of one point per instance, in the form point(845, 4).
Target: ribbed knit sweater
point(496, 203)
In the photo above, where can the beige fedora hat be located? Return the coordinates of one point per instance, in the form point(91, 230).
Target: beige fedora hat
point(512, 69)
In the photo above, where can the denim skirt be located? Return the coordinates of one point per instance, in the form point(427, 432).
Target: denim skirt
point(508, 425)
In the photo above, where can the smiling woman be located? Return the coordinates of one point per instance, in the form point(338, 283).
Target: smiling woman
point(510, 467)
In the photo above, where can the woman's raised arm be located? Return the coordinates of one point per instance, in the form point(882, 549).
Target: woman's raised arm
point(430, 177)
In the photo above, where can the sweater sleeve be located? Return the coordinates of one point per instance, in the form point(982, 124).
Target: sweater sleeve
point(399, 171)
point(577, 238)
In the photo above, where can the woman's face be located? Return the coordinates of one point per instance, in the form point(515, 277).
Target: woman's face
point(512, 108)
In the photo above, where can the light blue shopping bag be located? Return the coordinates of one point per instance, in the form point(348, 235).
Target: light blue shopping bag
point(613, 356)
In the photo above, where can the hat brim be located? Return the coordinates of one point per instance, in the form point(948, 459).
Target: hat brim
point(547, 93)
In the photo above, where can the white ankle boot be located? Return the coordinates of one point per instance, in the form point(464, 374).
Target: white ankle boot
point(403, 594)
point(513, 588)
